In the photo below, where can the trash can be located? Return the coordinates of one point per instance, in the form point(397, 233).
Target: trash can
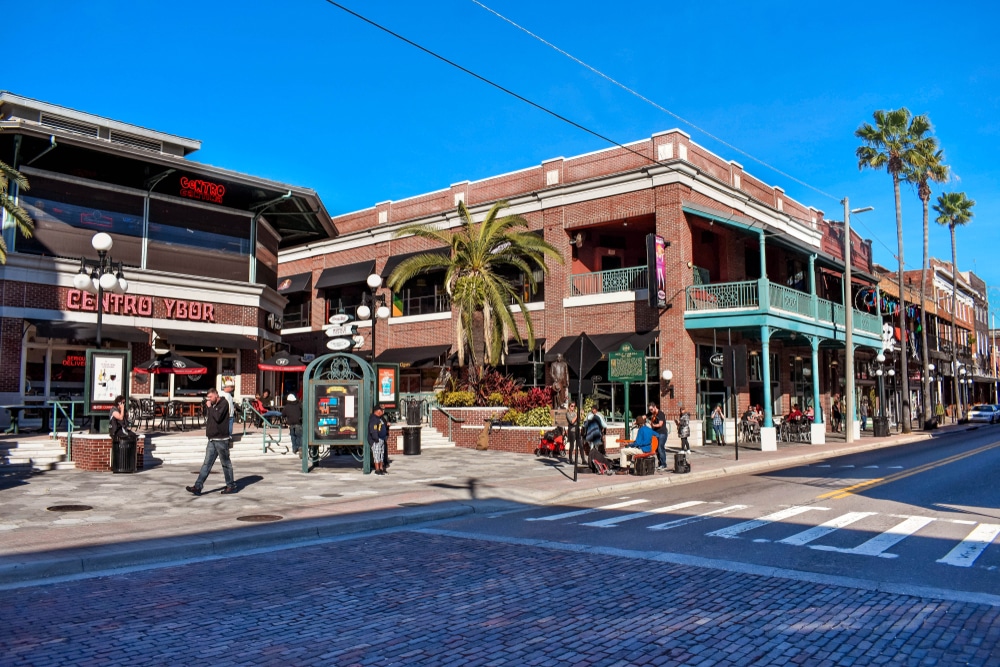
point(413, 412)
point(880, 426)
point(411, 440)
point(681, 463)
point(124, 453)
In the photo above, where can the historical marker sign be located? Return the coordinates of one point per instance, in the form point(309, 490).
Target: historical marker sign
point(627, 364)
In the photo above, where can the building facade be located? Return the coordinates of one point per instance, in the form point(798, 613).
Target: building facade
point(744, 265)
point(197, 244)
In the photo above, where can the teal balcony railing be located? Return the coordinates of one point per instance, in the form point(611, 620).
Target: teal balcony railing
point(605, 282)
point(744, 297)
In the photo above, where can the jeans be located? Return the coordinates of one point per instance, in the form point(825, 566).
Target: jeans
point(720, 433)
point(661, 449)
point(232, 421)
point(220, 449)
point(295, 433)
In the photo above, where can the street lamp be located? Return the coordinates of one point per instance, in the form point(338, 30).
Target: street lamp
point(880, 424)
point(849, 318)
point(377, 301)
point(104, 275)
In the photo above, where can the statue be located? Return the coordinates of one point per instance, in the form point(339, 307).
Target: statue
point(560, 381)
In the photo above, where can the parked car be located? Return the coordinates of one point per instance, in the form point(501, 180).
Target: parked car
point(985, 413)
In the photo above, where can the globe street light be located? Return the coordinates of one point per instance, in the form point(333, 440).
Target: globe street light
point(377, 301)
point(103, 275)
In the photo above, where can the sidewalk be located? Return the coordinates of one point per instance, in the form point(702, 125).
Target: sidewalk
point(148, 517)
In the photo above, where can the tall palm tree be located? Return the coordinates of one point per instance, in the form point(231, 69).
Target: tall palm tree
point(20, 217)
point(928, 166)
point(954, 209)
point(889, 145)
point(480, 255)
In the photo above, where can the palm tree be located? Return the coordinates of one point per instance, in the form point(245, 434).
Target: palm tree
point(889, 145)
point(481, 295)
point(928, 166)
point(15, 212)
point(954, 209)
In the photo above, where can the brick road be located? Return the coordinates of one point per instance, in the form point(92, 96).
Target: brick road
point(406, 598)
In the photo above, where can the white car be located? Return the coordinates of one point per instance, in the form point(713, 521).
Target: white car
point(985, 413)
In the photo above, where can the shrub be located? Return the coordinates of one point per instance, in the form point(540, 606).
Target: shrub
point(536, 397)
point(492, 382)
point(539, 417)
point(457, 399)
point(495, 399)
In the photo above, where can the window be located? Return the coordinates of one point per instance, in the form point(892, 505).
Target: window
point(422, 295)
point(215, 244)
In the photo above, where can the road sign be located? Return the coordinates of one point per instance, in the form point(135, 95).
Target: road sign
point(582, 355)
point(339, 344)
point(627, 364)
point(358, 340)
point(339, 330)
point(718, 359)
point(340, 318)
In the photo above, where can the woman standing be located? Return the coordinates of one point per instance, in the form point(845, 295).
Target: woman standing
point(719, 424)
point(378, 433)
point(684, 430)
point(837, 416)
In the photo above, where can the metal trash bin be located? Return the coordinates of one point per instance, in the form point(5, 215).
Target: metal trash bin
point(880, 427)
point(412, 411)
point(411, 440)
point(681, 463)
point(124, 453)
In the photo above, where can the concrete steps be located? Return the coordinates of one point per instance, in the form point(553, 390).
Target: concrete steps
point(430, 438)
point(33, 455)
point(190, 448)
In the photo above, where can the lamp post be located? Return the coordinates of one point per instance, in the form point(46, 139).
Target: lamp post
point(961, 392)
point(377, 301)
point(849, 319)
point(880, 424)
point(104, 275)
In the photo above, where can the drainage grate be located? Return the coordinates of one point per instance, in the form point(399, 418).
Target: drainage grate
point(69, 508)
point(331, 495)
point(260, 518)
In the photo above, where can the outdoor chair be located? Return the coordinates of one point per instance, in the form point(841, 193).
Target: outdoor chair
point(146, 412)
point(173, 413)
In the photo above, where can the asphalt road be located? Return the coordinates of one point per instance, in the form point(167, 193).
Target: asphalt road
point(922, 514)
point(718, 573)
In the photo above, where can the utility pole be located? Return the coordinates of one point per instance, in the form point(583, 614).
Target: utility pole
point(849, 322)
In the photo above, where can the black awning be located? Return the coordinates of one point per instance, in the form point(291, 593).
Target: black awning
point(207, 339)
point(414, 357)
point(396, 260)
point(605, 342)
point(348, 274)
point(86, 331)
point(306, 342)
point(300, 282)
point(519, 352)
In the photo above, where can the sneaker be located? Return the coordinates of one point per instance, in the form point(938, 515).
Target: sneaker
point(229, 489)
point(194, 490)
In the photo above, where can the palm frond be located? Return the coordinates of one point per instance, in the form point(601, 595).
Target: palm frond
point(11, 174)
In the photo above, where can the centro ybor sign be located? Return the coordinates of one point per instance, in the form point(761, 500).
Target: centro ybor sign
point(204, 190)
point(141, 306)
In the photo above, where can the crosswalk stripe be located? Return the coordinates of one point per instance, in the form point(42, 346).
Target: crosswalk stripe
point(735, 530)
point(969, 549)
point(871, 467)
point(569, 515)
point(615, 520)
point(807, 536)
point(677, 523)
point(877, 545)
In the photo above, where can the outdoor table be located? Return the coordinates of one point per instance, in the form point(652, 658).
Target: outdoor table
point(46, 409)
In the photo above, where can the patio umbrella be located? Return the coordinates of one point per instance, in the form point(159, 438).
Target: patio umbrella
point(171, 362)
point(283, 361)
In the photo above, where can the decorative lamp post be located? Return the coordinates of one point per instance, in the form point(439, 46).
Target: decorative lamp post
point(377, 301)
point(104, 275)
point(880, 423)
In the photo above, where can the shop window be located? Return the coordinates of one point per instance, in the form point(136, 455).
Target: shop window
point(213, 244)
point(421, 295)
point(34, 371)
point(344, 299)
point(67, 370)
point(297, 311)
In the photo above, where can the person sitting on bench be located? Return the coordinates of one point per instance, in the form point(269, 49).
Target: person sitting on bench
point(643, 443)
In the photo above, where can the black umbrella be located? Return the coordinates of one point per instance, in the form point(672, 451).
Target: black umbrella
point(283, 361)
point(171, 362)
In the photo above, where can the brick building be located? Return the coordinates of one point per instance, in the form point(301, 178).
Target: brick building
point(198, 247)
point(745, 264)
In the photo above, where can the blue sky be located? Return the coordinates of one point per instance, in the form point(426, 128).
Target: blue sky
point(300, 91)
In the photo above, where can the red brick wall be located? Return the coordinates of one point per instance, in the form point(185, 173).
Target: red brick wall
point(11, 331)
point(93, 453)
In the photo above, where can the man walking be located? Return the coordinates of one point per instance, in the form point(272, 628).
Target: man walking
point(292, 412)
point(217, 432)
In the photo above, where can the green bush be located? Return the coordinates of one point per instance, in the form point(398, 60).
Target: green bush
point(495, 400)
point(539, 417)
point(457, 399)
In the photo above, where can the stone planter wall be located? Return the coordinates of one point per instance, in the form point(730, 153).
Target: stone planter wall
point(93, 452)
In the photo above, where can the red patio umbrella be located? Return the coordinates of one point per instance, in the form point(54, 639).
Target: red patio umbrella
point(171, 362)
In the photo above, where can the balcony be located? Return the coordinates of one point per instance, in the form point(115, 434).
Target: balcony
point(791, 308)
point(631, 279)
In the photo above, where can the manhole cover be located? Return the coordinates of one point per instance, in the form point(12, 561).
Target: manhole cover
point(69, 508)
point(260, 518)
point(410, 504)
point(330, 495)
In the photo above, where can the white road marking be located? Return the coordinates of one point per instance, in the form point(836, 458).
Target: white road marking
point(807, 536)
point(615, 520)
point(895, 467)
point(877, 545)
point(700, 517)
point(570, 515)
point(850, 466)
point(871, 467)
point(827, 465)
point(969, 549)
point(734, 531)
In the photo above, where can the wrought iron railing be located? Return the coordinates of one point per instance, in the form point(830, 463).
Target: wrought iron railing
point(723, 296)
point(425, 305)
point(606, 282)
point(791, 300)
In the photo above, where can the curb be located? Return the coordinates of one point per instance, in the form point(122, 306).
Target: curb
point(36, 568)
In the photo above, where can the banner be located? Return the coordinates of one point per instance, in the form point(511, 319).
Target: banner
point(656, 248)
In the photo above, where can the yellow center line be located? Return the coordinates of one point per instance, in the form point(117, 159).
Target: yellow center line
point(872, 483)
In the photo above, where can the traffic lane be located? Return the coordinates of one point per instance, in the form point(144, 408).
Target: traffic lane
point(899, 533)
point(411, 598)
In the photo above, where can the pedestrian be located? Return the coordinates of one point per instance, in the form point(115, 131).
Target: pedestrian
point(684, 429)
point(658, 422)
point(864, 413)
point(594, 428)
point(378, 434)
point(719, 425)
point(837, 415)
point(939, 413)
point(573, 430)
point(292, 413)
point(229, 393)
point(642, 444)
point(219, 442)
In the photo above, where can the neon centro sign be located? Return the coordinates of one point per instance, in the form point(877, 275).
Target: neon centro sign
point(203, 190)
point(872, 301)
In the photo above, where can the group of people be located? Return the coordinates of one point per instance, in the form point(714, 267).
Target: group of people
point(653, 423)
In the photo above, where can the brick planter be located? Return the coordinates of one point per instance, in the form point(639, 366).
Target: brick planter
point(93, 452)
point(518, 439)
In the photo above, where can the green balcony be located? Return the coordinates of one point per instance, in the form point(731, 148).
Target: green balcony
point(629, 279)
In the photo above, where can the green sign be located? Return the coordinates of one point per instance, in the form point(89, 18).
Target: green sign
point(627, 365)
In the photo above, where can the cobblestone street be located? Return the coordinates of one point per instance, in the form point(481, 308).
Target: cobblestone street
point(405, 598)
